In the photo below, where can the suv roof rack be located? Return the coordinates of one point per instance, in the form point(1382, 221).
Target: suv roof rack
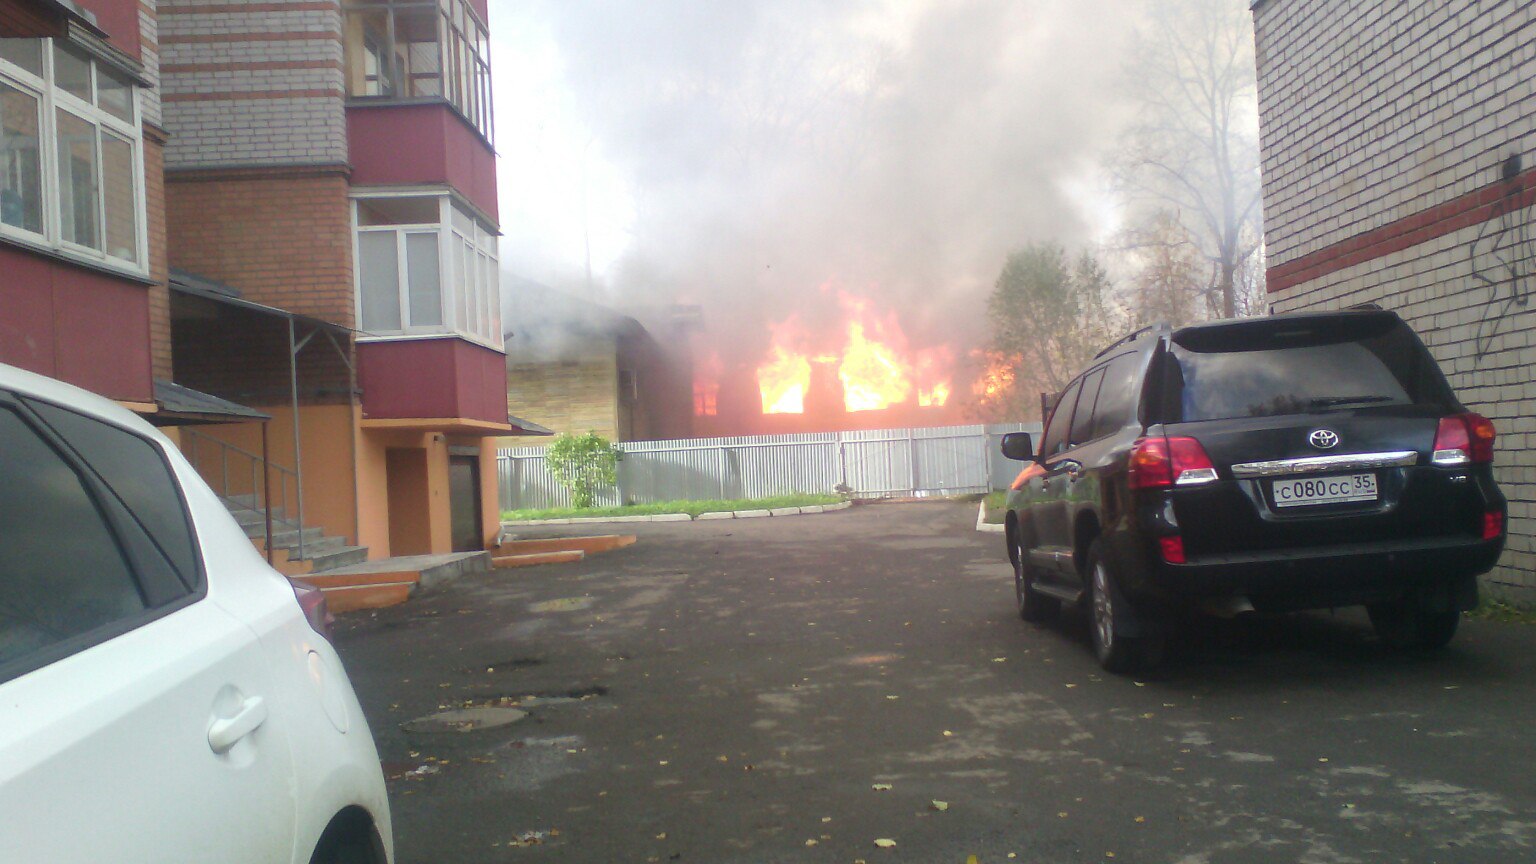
point(1132, 337)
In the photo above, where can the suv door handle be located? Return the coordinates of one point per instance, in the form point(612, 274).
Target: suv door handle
point(225, 732)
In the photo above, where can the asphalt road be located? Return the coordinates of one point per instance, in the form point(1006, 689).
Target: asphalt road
point(795, 689)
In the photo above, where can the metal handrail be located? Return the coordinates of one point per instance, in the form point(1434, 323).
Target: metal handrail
point(263, 472)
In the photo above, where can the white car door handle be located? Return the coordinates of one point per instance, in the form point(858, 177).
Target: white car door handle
point(225, 733)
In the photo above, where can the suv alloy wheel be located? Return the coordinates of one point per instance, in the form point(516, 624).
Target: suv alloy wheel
point(1032, 605)
point(1116, 653)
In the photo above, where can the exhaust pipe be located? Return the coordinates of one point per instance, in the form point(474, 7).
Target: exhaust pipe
point(1227, 607)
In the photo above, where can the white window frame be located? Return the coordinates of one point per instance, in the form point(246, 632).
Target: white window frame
point(456, 293)
point(52, 99)
point(464, 69)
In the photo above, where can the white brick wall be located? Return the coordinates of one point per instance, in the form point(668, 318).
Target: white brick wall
point(149, 39)
point(225, 103)
point(1375, 112)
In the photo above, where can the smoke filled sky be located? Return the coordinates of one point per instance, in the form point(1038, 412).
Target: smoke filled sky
point(742, 154)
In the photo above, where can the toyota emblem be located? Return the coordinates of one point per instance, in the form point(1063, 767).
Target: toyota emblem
point(1324, 439)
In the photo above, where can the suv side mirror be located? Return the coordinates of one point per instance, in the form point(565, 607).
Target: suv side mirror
point(1019, 446)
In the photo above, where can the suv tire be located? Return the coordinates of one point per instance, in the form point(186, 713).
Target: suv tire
point(1116, 653)
point(1033, 606)
point(1406, 625)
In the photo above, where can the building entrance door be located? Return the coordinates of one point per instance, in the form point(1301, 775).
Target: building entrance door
point(464, 503)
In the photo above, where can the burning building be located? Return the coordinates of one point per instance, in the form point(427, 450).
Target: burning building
point(862, 372)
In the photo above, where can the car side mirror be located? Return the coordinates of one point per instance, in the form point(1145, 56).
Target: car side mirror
point(1019, 446)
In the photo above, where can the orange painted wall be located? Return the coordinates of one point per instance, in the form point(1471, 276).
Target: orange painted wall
point(330, 484)
point(490, 500)
point(384, 501)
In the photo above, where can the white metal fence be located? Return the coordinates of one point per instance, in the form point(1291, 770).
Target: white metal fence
point(949, 460)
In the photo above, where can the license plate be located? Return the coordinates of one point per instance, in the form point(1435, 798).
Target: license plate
point(1325, 490)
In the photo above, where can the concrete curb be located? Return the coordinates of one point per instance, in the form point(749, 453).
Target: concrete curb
point(983, 525)
point(684, 517)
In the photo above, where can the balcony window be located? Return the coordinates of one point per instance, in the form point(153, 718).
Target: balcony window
point(426, 266)
point(71, 164)
point(402, 50)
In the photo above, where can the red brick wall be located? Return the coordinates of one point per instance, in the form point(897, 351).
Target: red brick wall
point(243, 356)
point(284, 238)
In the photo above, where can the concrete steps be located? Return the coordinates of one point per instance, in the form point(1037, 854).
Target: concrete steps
point(376, 584)
point(320, 552)
point(590, 545)
point(503, 562)
point(554, 550)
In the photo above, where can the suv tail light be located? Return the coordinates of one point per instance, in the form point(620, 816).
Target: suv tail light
point(1162, 462)
point(316, 612)
point(1493, 524)
point(1463, 439)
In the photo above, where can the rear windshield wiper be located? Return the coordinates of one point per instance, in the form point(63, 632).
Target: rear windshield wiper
point(1335, 401)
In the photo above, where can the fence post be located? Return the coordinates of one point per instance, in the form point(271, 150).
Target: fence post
point(842, 462)
point(912, 457)
point(721, 462)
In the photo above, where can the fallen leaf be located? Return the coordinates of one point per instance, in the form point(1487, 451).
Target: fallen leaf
point(1061, 814)
point(941, 806)
point(826, 818)
point(1070, 686)
point(885, 843)
point(880, 787)
point(1141, 818)
point(661, 836)
point(810, 842)
point(948, 734)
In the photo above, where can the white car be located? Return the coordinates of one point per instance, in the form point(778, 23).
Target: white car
point(165, 696)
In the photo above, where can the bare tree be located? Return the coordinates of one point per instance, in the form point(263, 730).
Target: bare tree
point(1193, 149)
point(1169, 277)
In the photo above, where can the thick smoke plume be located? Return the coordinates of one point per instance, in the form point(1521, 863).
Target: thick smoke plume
point(769, 151)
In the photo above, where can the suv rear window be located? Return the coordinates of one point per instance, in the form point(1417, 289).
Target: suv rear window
point(1284, 366)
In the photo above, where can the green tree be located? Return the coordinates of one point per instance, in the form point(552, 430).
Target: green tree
point(1169, 283)
point(1049, 314)
point(583, 464)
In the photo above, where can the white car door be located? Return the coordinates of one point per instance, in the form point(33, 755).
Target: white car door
point(135, 721)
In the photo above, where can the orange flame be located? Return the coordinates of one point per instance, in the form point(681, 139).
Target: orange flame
point(873, 375)
point(934, 396)
point(706, 386)
point(997, 376)
point(873, 364)
point(783, 381)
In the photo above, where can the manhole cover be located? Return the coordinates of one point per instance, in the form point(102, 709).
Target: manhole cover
point(465, 720)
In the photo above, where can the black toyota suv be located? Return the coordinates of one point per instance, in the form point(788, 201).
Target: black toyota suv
point(1297, 461)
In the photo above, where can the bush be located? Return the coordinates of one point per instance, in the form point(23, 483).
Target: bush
point(583, 464)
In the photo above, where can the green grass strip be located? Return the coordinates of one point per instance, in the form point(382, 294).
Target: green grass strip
point(692, 508)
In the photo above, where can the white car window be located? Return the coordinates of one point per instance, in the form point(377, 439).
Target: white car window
point(63, 573)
